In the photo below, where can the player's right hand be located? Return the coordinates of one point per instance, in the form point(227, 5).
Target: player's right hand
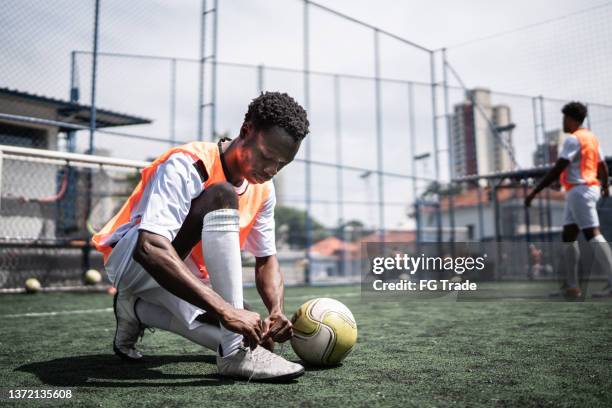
point(246, 323)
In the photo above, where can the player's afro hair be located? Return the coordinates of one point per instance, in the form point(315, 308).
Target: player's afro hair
point(278, 109)
point(575, 110)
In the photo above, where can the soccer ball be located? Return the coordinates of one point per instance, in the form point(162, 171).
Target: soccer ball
point(92, 277)
point(32, 285)
point(324, 331)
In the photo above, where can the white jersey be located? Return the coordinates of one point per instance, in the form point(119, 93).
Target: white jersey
point(571, 152)
point(167, 198)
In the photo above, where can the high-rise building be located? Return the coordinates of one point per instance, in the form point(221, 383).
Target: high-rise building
point(476, 148)
point(548, 152)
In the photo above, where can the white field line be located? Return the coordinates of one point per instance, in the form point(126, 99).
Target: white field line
point(110, 309)
point(61, 312)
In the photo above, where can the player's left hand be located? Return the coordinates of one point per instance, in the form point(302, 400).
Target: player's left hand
point(277, 327)
point(605, 191)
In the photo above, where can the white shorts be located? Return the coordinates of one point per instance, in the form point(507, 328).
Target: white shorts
point(128, 275)
point(581, 206)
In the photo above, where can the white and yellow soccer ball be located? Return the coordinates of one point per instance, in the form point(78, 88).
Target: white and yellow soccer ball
point(92, 277)
point(32, 285)
point(324, 331)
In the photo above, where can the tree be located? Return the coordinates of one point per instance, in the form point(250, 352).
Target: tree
point(351, 230)
point(294, 221)
point(444, 190)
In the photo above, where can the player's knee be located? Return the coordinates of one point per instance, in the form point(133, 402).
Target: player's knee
point(218, 196)
point(590, 233)
point(568, 237)
point(570, 233)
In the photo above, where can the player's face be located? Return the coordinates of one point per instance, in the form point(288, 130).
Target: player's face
point(266, 153)
point(570, 124)
point(566, 124)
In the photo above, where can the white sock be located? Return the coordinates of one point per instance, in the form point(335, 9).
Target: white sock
point(221, 248)
point(151, 315)
point(571, 258)
point(603, 255)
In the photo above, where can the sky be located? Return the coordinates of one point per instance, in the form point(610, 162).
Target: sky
point(567, 58)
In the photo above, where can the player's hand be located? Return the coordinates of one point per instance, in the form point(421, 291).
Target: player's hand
point(605, 191)
point(277, 327)
point(246, 323)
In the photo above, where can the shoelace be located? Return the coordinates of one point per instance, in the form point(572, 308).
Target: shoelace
point(250, 352)
point(268, 357)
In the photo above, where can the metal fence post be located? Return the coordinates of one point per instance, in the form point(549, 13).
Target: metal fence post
point(339, 161)
point(588, 117)
point(412, 137)
point(308, 223)
point(213, 86)
point(417, 217)
point(534, 108)
point(497, 213)
point(434, 106)
point(260, 78)
point(480, 212)
point(447, 116)
point(498, 236)
point(92, 128)
point(547, 156)
point(527, 232)
point(379, 137)
point(339, 175)
point(74, 97)
point(94, 66)
point(202, 69)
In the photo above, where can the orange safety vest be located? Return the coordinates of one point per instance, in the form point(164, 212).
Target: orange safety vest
point(589, 159)
point(249, 203)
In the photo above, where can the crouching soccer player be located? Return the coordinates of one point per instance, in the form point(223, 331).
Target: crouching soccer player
point(181, 232)
point(584, 175)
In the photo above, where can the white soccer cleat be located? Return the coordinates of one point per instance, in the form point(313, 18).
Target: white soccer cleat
point(258, 365)
point(128, 329)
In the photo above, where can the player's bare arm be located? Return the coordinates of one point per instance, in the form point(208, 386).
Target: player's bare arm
point(157, 255)
point(549, 178)
point(176, 262)
point(603, 176)
point(271, 288)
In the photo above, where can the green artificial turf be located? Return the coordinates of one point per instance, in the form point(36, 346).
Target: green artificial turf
point(409, 353)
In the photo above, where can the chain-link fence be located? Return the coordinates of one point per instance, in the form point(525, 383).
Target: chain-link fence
point(50, 203)
point(129, 80)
